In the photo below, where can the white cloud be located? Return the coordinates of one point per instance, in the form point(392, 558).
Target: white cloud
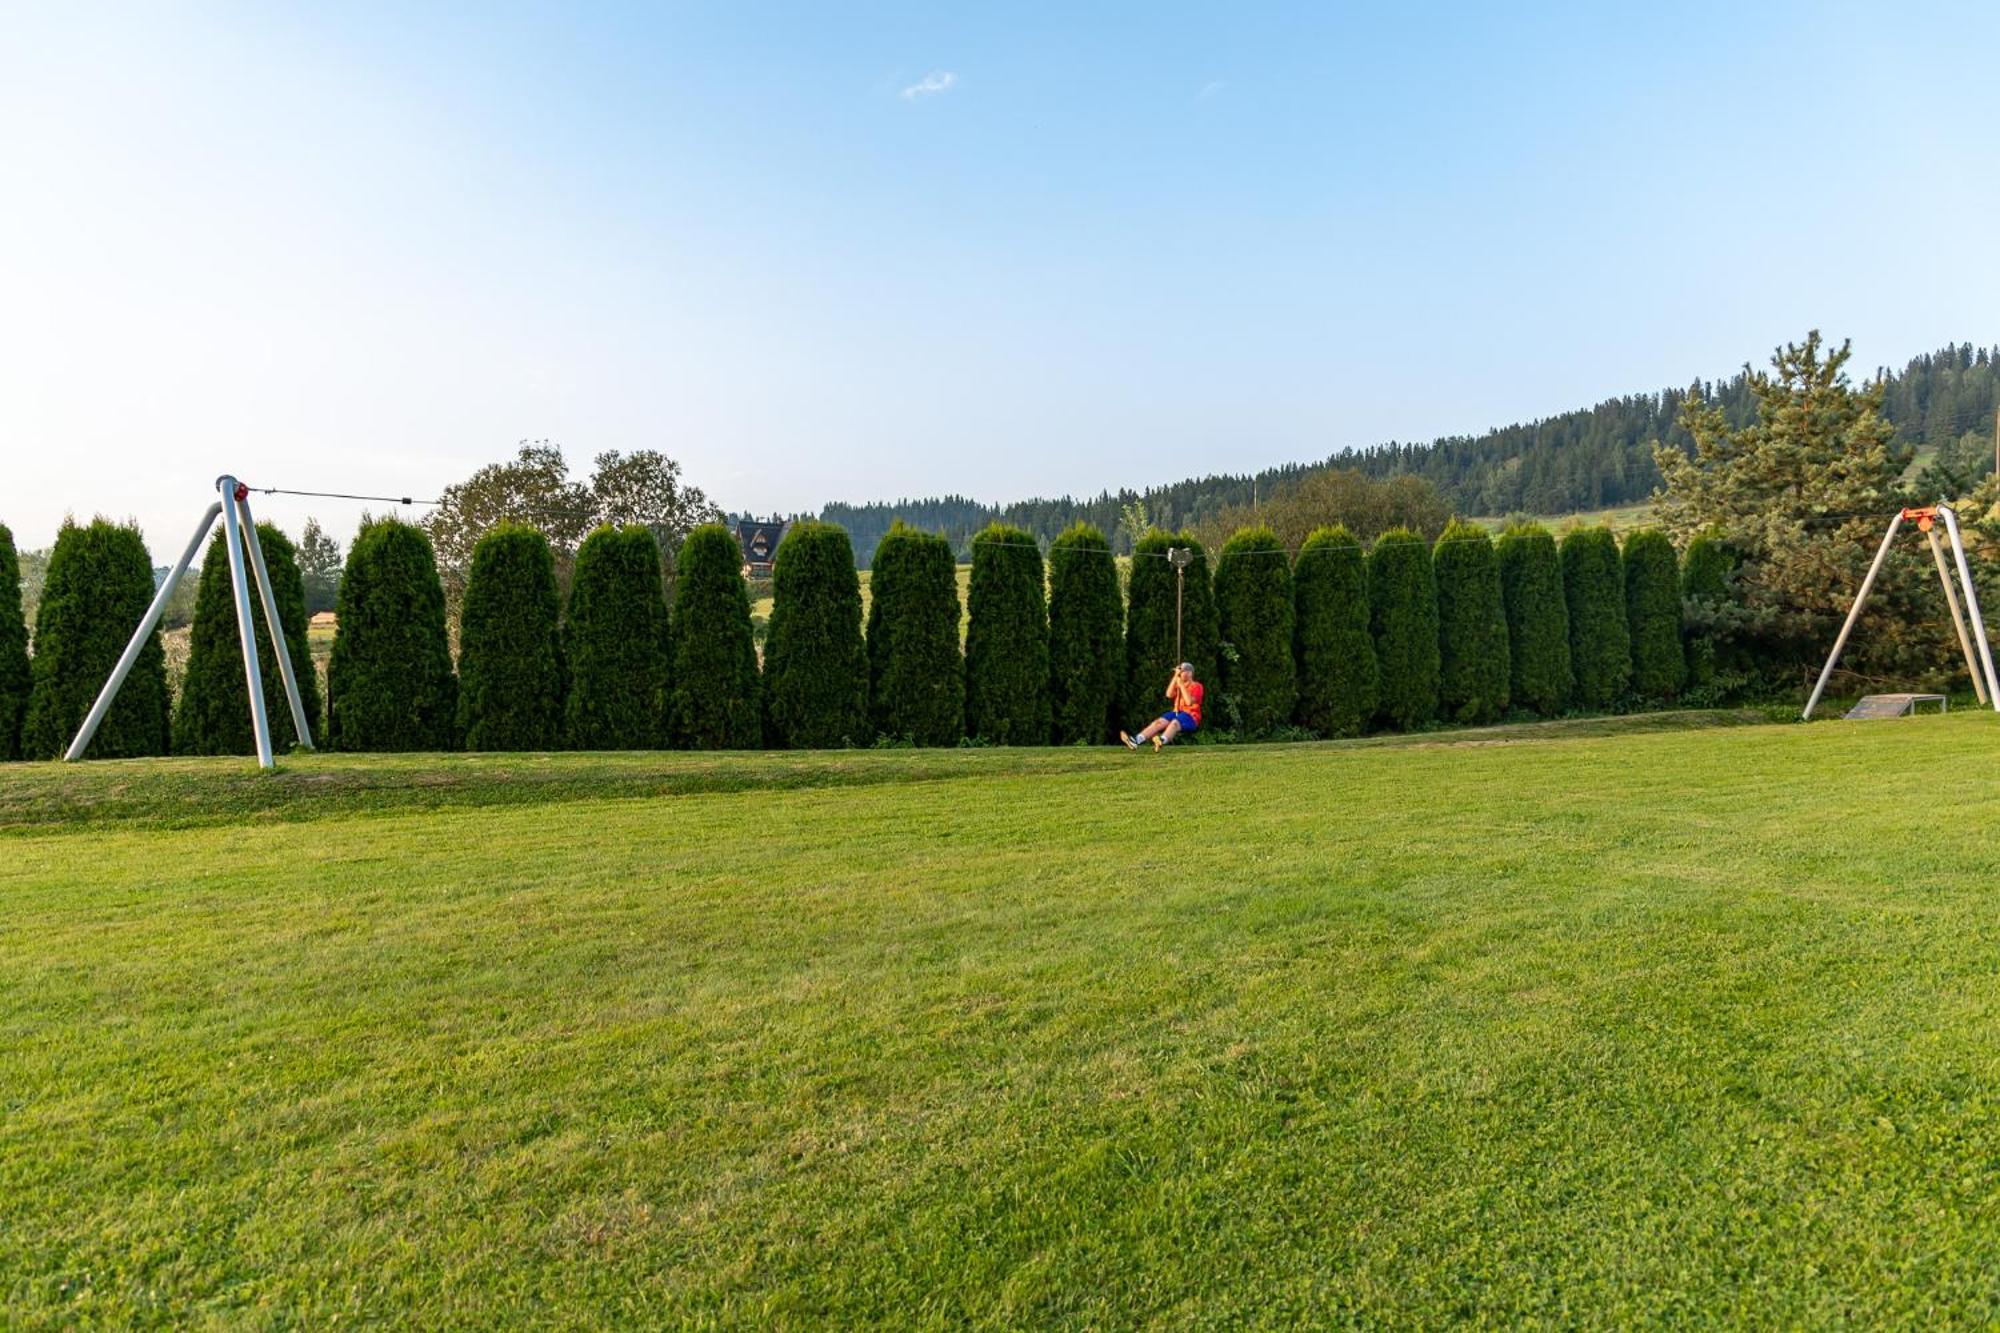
point(1210, 89)
point(938, 81)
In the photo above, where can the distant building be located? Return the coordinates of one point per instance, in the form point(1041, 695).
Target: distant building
point(759, 538)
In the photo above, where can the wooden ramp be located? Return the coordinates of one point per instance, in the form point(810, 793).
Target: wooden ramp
point(1894, 705)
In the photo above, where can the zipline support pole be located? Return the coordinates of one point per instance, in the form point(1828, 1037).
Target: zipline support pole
point(1854, 614)
point(1972, 667)
point(278, 644)
point(1972, 605)
point(233, 493)
point(95, 717)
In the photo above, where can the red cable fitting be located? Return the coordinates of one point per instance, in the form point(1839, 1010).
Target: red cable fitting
point(242, 491)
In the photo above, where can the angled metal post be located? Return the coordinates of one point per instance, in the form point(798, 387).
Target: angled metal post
point(1957, 618)
point(139, 637)
point(278, 644)
point(1854, 614)
point(246, 629)
point(1972, 605)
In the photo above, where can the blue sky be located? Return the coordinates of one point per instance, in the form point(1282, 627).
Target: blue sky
point(824, 252)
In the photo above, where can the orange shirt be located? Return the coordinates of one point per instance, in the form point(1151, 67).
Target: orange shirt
point(1187, 699)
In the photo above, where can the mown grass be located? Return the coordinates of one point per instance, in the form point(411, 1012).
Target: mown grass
point(1610, 1026)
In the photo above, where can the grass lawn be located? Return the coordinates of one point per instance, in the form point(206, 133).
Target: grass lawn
point(1594, 1024)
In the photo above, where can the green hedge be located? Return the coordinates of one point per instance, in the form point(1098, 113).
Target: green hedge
point(1653, 616)
point(1253, 606)
point(616, 643)
point(1473, 660)
point(510, 657)
point(1705, 572)
point(1531, 588)
point(717, 696)
point(1149, 630)
point(1007, 641)
point(1335, 653)
point(1600, 641)
point(1403, 615)
point(389, 684)
point(1086, 631)
point(212, 715)
point(96, 590)
point(14, 674)
point(916, 673)
point(815, 662)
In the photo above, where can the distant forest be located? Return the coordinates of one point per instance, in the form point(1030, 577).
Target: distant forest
point(1593, 458)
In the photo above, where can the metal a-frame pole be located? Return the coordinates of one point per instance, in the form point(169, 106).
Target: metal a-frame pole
point(1957, 618)
point(1854, 613)
point(278, 643)
point(105, 696)
point(1972, 605)
point(246, 629)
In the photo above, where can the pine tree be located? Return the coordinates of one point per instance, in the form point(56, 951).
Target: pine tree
point(717, 694)
point(1086, 631)
point(1150, 653)
point(510, 660)
point(1653, 616)
point(1531, 588)
point(1600, 640)
point(1253, 603)
point(97, 588)
point(1706, 576)
point(815, 662)
point(1338, 681)
point(389, 683)
point(14, 673)
point(1403, 605)
point(1007, 641)
point(617, 643)
point(1473, 654)
point(213, 713)
point(916, 673)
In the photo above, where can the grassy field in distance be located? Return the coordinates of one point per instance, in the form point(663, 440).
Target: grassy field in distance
point(1596, 1023)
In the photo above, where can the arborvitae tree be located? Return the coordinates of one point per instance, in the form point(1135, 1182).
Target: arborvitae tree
point(97, 588)
point(1007, 641)
point(213, 714)
point(1600, 641)
point(1653, 616)
point(1531, 587)
point(1338, 681)
point(1253, 605)
point(389, 683)
point(617, 643)
point(1473, 661)
point(916, 673)
point(716, 691)
point(815, 663)
point(1150, 657)
point(1403, 606)
point(13, 649)
point(1705, 579)
point(1086, 628)
point(510, 660)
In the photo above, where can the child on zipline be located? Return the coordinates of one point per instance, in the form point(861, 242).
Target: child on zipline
point(1183, 715)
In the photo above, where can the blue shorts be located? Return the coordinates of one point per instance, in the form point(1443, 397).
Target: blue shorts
point(1185, 719)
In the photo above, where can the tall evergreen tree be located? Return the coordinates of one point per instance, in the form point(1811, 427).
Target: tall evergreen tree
point(389, 683)
point(1007, 641)
point(510, 660)
point(1403, 604)
point(1600, 640)
point(98, 586)
point(14, 675)
point(1086, 632)
point(1473, 655)
point(1253, 603)
point(1150, 653)
point(1338, 682)
point(815, 662)
point(916, 673)
point(717, 695)
point(1653, 616)
point(1706, 575)
point(617, 642)
point(213, 713)
point(1531, 588)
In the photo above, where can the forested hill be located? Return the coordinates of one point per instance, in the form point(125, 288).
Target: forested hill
point(1592, 458)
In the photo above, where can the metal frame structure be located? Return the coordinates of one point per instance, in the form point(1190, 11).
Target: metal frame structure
point(1984, 682)
point(239, 538)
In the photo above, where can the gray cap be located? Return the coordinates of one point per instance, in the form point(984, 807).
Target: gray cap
point(1188, 667)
